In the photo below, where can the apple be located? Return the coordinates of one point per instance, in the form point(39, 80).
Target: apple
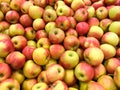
point(114, 13)
point(81, 15)
point(6, 47)
point(30, 33)
point(72, 22)
point(10, 83)
point(43, 42)
point(12, 16)
point(69, 77)
point(87, 2)
point(32, 11)
point(71, 42)
point(42, 77)
point(25, 20)
point(95, 86)
point(18, 75)
point(58, 3)
point(40, 86)
point(41, 3)
point(109, 80)
point(95, 31)
point(55, 72)
point(49, 15)
point(16, 4)
point(62, 22)
point(38, 24)
point(16, 29)
point(41, 56)
point(93, 21)
point(25, 6)
point(28, 51)
point(82, 28)
point(4, 7)
point(111, 64)
point(101, 12)
point(114, 27)
point(40, 34)
point(16, 60)
point(110, 2)
point(84, 85)
point(93, 55)
point(71, 31)
point(49, 26)
point(31, 43)
point(116, 76)
point(69, 59)
point(31, 69)
point(108, 50)
point(99, 70)
point(56, 35)
point(50, 62)
point(76, 4)
point(91, 11)
point(5, 71)
point(4, 25)
point(91, 42)
point(63, 10)
point(110, 38)
point(19, 42)
point(56, 50)
point(58, 85)
point(82, 72)
point(104, 24)
point(28, 84)
point(98, 4)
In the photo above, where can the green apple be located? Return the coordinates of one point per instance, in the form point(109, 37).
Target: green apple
point(31, 69)
point(41, 56)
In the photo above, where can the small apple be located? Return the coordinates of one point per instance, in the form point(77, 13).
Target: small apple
point(81, 15)
point(71, 42)
point(40, 86)
point(93, 55)
point(55, 72)
point(82, 72)
point(19, 42)
point(28, 84)
point(98, 3)
point(108, 50)
point(56, 35)
point(16, 60)
point(62, 22)
point(28, 51)
point(58, 85)
point(110, 38)
point(82, 28)
point(26, 20)
point(43, 42)
point(30, 33)
point(9, 84)
point(41, 56)
point(49, 15)
point(12, 16)
point(69, 59)
point(31, 69)
point(32, 11)
point(5, 71)
point(40, 34)
point(56, 51)
point(16, 29)
point(38, 24)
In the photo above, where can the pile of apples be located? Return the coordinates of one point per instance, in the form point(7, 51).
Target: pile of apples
point(59, 44)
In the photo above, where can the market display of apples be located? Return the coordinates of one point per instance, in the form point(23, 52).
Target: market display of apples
point(59, 44)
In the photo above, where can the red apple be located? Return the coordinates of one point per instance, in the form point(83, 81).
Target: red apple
point(71, 31)
point(93, 21)
point(40, 34)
